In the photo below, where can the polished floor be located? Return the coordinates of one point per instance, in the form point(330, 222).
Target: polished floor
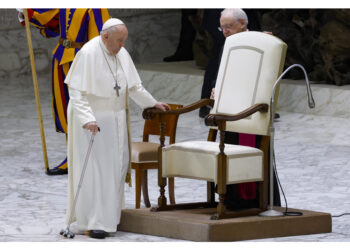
point(312, 154)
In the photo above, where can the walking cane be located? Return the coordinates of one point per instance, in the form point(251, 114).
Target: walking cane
point(66, 232)
point(36, 90)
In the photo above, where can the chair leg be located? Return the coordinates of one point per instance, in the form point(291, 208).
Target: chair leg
point(210, 192)
point(171, 187)
point(221, 176)
point(145, 188)
point(138, 180)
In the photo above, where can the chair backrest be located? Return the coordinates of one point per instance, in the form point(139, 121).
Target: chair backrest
point(152, 127)
point(251, 63)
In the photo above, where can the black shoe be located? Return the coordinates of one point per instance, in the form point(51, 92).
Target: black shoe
point(277, 115)
point(60, 169)
point(57, 171)
point(98, 234)
point(178, 57)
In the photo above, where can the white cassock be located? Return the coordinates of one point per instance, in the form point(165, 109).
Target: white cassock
point(93, 98)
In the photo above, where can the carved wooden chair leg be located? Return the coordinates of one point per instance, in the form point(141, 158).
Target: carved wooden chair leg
point(210, 192)
point(138, 180)
point(171, 188)
point(222, 174)
point(145, 189)
point(221, 208)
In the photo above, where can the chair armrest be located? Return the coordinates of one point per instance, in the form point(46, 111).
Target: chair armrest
point(218, 119)
point(150, 113)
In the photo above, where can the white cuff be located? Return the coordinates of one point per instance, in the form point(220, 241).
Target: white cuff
point(20, 15)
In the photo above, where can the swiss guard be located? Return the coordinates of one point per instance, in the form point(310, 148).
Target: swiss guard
point(74, 27)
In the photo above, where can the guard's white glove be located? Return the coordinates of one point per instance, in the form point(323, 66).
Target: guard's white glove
point(20, 14)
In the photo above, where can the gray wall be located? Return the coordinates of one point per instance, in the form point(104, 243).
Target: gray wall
point(153, 34)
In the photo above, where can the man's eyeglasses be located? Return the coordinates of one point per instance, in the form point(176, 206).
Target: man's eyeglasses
point(226, 26)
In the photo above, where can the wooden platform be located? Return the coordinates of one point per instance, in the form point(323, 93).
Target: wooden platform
point(195, 225)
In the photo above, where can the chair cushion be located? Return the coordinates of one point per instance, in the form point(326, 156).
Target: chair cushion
point(198, 160)
point(144, 152)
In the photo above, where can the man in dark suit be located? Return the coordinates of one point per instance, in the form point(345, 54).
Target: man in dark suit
point(211, 23)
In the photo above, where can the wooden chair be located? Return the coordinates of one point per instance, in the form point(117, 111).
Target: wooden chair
point(145, 155)
point(250, 65)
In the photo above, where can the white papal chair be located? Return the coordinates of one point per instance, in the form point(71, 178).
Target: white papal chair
point(250, 65)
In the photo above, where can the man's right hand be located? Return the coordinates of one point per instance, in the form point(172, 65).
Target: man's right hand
point(212, 94)
point(92, 126)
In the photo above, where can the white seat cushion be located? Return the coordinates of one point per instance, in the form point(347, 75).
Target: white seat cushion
point(198, 160)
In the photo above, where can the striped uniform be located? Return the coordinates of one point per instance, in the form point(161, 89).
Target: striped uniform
point(76, 25)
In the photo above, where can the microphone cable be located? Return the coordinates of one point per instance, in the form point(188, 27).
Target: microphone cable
point(286, 212)
point(340, 215)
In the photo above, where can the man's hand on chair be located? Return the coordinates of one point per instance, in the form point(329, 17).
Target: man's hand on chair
point(162, 106)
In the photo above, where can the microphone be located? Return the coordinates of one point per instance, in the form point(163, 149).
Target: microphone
point(310, 98)
point(271, 212)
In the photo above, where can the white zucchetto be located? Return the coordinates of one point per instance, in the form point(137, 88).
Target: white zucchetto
point(111, 22)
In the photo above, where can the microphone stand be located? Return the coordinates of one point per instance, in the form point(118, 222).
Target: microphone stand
point(270, 212)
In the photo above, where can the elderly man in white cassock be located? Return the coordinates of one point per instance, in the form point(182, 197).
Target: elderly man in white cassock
point(100, 79)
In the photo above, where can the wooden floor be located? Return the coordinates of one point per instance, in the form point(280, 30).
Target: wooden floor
point(195, 225)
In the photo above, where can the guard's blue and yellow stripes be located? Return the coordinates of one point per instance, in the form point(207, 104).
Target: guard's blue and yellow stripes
point(76, 25)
